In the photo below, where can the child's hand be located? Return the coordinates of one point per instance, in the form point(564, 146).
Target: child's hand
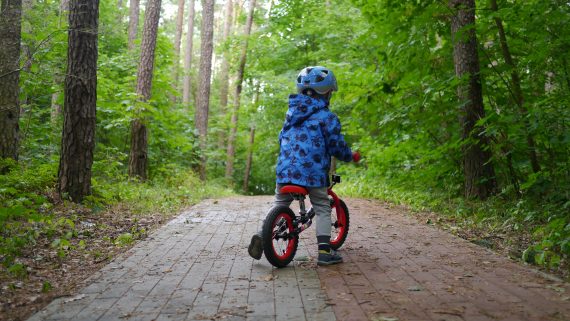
point(356, 157)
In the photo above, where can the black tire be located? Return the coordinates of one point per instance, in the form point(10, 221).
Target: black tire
point(278, 251)
point(340, 225)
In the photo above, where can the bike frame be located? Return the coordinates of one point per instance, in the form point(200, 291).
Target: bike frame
point(304, 220)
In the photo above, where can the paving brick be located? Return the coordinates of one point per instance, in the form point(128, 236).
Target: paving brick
point(260, 308)
point(181, 300)
point(95, 309)
point(196, 267)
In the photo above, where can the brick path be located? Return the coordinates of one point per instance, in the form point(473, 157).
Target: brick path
point(197, 268)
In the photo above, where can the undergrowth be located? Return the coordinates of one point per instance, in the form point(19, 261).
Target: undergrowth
point(30, 208)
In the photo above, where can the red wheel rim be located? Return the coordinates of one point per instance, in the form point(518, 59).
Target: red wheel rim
point(339, 230)
point(283, 248)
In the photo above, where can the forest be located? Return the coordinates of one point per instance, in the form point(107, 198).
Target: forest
point(460, 108)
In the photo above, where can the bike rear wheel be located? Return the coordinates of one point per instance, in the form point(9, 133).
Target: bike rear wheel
point(279, 241)
point(340, 225)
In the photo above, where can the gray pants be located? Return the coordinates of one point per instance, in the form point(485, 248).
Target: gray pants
point(320, 201)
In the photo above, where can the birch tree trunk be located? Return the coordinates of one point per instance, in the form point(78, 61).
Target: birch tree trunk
point(205, 74)
point(186, 94)
point(177, 41)
point(480, 181)
point(516, 90)
point(138, 157)
point(78, 137)
point(240, 75)
point(133, 22)
point(10, 38)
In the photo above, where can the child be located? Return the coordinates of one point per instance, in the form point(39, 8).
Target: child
point(310, 136)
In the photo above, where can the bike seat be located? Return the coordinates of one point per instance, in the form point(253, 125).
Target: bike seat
point(293, 189)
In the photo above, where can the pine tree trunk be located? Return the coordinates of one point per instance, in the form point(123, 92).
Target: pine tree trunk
point(186, 94)
point(133, 22)
point(225, 74)
point(205, 74)
point(78, 137)
point(138, 157)
point(517, 90)
point(235, 113)
point(26, 52)
point(177, 41)
point(249, 159)
point(480, 181)
point(225, 69)
point(10, 38)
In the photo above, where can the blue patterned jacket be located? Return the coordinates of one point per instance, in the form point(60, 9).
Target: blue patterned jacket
point(310, 136)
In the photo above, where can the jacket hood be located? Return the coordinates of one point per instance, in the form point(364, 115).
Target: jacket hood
point(302, 107)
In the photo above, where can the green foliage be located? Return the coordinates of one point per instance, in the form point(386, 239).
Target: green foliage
point(397, 103)
point(396, 100)
point(46, 287)
point(124, 239)
point(18, 270)
point(29, 208)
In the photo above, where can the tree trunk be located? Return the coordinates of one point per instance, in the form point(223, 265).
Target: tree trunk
point(133, 22)
point(237, 12)
point(177, 41)
point(240, 75)
point(205, 74)
point(271, 4)
point(224, 73)
point(249, 159)
point(26, 52)
point(138, 157)
point(10, 38)
point(517, 91)
point(78, 137)
point(188, 55)
point(480, 181)
point(57, 79)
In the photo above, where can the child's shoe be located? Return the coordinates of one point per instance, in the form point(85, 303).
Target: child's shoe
point(328, 258)
point(255, 248)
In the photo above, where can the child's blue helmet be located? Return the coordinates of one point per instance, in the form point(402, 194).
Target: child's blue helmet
point(319, 79)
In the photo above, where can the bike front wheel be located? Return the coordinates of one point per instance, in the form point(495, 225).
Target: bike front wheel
point(340, 224)
point(279, 240)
